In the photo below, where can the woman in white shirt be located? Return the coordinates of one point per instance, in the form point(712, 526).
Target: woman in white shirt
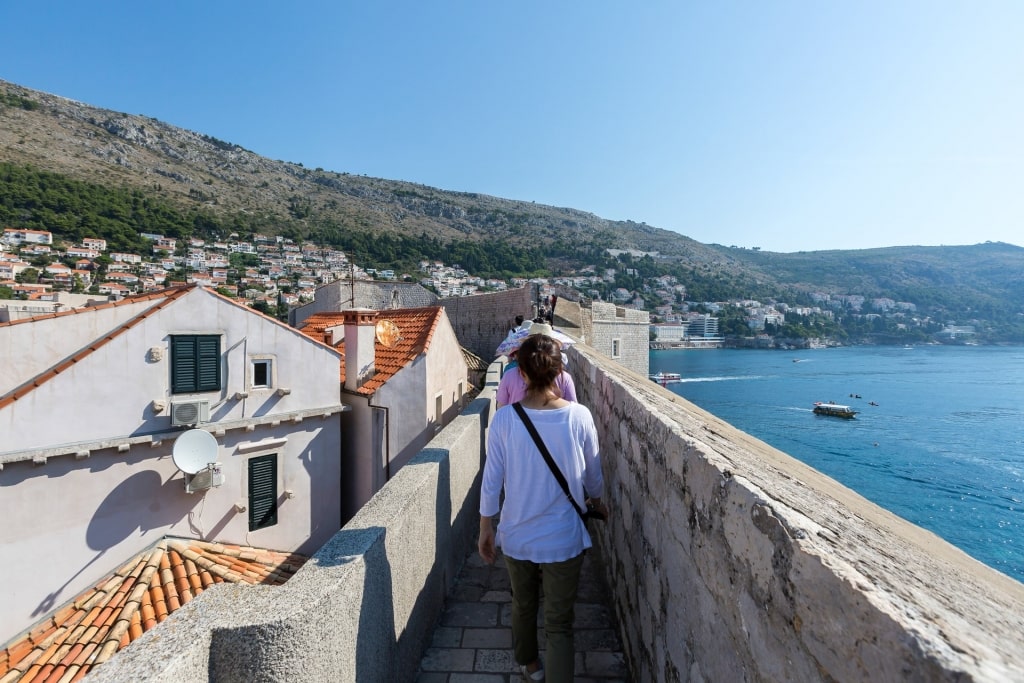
point(540, 528)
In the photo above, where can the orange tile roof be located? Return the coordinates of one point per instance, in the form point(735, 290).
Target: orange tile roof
point(131, 601)
point(416, 326)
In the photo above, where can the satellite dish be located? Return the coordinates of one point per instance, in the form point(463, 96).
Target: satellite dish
point(388, 333)
point(194, 450)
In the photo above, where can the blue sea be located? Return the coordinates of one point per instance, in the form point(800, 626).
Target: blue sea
point(943, 447)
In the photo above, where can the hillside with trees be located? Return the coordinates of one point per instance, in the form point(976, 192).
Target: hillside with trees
point(80, 170)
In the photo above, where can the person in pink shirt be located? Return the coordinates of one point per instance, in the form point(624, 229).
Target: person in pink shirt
point(512, 387)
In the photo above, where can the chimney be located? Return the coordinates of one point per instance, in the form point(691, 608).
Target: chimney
point(360, 338)
point(334, 335)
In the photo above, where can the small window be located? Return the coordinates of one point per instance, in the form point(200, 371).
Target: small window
point(195, 363)
point(262, 491)
point(260, 374)
point(438, 412)
point(615, 348)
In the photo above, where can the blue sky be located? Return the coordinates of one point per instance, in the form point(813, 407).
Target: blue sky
point(782, 125)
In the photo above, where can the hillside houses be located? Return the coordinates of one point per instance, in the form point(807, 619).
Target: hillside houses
point(274, 273)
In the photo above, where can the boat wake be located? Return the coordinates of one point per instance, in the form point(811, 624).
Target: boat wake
point(726, 378)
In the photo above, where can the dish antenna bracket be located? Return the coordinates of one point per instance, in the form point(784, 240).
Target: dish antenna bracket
point(195, 454)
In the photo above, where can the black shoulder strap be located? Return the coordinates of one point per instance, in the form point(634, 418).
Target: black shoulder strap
point(559, 477)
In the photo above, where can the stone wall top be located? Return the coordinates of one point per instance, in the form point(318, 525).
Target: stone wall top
point(730, 560)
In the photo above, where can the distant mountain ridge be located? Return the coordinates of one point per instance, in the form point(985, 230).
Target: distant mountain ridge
point(98, 145)
point(195, 171)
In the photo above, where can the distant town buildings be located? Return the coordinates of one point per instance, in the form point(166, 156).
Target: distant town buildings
point(274, 273)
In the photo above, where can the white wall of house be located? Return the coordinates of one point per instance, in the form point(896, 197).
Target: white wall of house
point(28, 348)
point(406, 397)
point(87, 476)
point(361, 465)
point(112, 390)
point(436, 374)
point(447, 374)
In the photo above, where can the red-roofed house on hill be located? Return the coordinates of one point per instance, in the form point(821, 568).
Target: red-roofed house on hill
point(92, 404)
point(404, 375)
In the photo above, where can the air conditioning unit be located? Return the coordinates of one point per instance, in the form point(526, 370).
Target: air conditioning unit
point(205, 478)
point(190, 413)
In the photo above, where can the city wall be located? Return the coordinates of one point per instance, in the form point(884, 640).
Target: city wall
point(482, 321)
point(727, 561)
point(731, 561)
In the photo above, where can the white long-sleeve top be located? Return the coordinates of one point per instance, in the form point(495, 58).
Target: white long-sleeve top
point(538, 523)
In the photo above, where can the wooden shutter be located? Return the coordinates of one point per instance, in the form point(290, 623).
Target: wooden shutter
point(183, 364)
point(208, 363)
point(195, 363)
point(262, 491)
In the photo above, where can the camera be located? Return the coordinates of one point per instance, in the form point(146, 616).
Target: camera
point(592, 512)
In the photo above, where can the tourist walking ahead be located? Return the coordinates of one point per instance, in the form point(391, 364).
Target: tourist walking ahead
point(540, 528)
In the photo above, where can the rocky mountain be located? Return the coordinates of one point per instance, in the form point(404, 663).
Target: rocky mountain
point(189, 169)
point(199, 175)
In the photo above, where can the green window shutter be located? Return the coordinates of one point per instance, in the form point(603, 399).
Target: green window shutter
point(183, 364)
point(262, 491)
point(195, 363)
point(208, 362)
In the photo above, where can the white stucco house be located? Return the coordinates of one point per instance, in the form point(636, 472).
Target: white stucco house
point(92, 403)
point(404, 375)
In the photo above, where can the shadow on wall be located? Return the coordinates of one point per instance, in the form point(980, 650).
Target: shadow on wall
point(375, 638)
point(133, 506)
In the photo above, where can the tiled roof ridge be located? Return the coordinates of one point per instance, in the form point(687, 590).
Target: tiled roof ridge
point(264, 315)
point(132, 299)
point(169, 296)
point(136, 597)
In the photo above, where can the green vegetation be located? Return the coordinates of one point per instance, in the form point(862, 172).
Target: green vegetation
point(10, 100)
point(380, 223)
point(980, 285)
point(73, 209)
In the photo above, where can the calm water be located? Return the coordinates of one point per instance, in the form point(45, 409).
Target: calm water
point(944, 447)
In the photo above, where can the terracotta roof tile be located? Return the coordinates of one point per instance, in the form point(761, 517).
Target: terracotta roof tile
point(416, 326)
point(135, 598)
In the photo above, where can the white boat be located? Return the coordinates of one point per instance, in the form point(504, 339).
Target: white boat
point(834, 409)
point(663, 377)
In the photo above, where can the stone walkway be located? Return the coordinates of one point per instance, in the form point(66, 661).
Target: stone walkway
point(473, 639)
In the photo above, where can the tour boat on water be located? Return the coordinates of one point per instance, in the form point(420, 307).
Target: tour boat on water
point(662, 377)
point(833, 409)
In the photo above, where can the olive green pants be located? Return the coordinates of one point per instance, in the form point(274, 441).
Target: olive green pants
point(561, 581)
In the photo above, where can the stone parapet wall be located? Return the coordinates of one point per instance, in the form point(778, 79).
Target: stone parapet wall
point(361, 609)
point(731, 561)
point(482, 321)
point(343, 295)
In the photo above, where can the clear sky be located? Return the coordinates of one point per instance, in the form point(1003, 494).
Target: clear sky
point(782, 125)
